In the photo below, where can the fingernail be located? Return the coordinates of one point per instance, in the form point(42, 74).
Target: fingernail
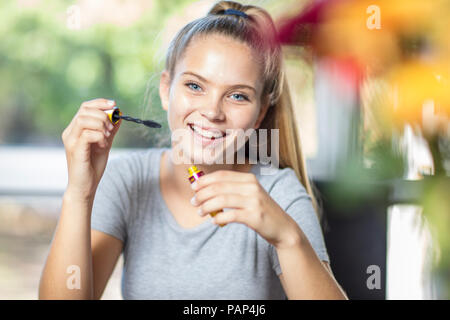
point(110, 126)
point(194, 185)
point(107, 133)
point(199, 211)
point(111, 103)
point(193, 202)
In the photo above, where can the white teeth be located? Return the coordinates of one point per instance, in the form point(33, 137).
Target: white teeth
point(207, 133)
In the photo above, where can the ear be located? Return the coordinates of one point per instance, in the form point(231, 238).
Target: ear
point(164, 89)
point(262, 114)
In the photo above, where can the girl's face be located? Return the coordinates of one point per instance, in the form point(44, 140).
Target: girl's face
point(215, 94)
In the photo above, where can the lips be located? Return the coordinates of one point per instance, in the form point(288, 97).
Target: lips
point(207, 132)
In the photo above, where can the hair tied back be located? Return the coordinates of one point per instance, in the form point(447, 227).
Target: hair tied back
point(235, 12)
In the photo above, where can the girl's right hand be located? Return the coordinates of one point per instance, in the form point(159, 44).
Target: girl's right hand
point(87, 141)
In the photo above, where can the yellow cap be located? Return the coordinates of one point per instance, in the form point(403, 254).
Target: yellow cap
point(114, 114)
point(192, 170)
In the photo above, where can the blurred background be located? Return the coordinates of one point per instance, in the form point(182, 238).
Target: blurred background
point(370, 84)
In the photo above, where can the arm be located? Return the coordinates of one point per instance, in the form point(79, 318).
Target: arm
point(106, 251)
point(75, 267)
point(72, 246)
point(304, 275)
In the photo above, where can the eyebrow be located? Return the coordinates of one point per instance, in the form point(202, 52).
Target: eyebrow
point(204, 80)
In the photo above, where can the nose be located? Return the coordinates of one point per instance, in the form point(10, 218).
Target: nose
point(213, 111)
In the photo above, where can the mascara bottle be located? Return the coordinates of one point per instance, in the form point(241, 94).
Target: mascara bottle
point(115, 115)
point(194, 174)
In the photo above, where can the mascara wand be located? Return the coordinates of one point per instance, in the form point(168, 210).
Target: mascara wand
point(115, 115)
point(148, 123)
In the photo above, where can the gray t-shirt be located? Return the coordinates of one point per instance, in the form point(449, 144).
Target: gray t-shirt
point(163, 260)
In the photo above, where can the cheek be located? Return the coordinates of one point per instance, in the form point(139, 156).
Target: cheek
point(179, 108)
point(243, 118)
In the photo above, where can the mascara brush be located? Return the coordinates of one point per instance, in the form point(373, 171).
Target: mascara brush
point(115, 115)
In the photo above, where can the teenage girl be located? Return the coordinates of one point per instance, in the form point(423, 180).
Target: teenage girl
point(223, 73)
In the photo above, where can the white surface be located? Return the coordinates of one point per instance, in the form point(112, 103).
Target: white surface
point(409, 241)
point(409, 255)
point(36, 170)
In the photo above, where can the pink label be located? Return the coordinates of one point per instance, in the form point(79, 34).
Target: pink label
point(195, 176)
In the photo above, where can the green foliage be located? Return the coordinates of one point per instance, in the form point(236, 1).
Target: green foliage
point(47, 70)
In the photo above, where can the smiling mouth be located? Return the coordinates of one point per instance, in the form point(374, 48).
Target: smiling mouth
point(207, 134)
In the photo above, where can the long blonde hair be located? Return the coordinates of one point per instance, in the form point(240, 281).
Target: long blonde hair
point(258, 31)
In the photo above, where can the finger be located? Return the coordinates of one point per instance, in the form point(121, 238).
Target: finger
point(229, 216)
point(115, 129)
point(71, 135)
point(93, 136)
point(99, 114)
point(103, 116)
point(223, 175)
point(218, 188)
point(95, 112)
point(91, 123)
point(223, 201)
point(100, 103)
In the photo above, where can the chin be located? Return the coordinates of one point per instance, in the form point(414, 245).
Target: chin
point(192, 148)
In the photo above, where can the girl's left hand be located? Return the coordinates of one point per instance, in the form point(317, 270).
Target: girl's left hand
point(249, 204)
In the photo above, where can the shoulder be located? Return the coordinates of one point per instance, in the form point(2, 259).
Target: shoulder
point(282, 184)
point(277, 178)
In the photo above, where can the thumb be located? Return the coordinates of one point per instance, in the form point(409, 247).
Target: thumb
point(114, 131)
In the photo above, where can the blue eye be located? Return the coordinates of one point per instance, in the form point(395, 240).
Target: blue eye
point(245, 98)
point(193, 84)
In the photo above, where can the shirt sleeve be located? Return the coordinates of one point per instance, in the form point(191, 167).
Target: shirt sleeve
point(293, 198)
point(111, 201)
